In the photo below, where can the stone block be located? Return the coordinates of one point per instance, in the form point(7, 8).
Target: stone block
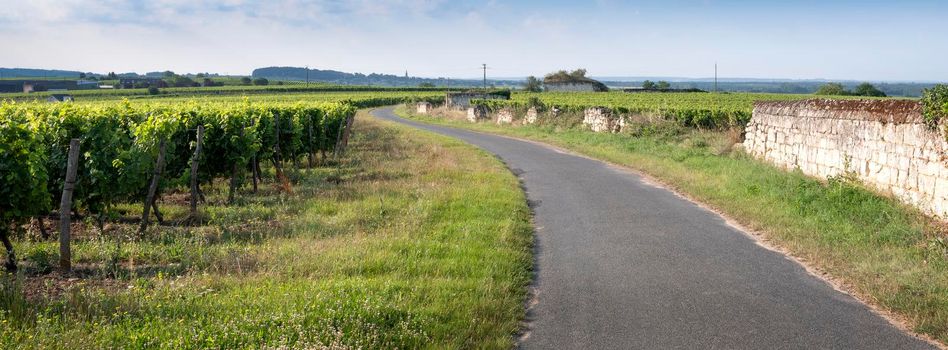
point(477, 113)
point(531, 117)
point(423, 108)
point(505, 116)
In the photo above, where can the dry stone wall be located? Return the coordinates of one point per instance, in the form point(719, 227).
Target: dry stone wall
point(885, 143)
point(477, 113)
point(505, 116)
point(423, 108)
point(601, 119)
point(531, 117)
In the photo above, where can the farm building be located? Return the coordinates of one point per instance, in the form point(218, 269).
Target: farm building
point(46, 85)
point(579, 86)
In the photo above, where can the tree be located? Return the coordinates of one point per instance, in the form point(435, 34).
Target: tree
point(180, 81)
point(649, 85)
point(245, 81)
point(168, 74)
point(82, 75)
point(662, 85)
point(533, 84)
point(112, 75)
point(832, 89)
point(564, 76)
point(426, 85)
point(866, 89)
point(153, 90)
point(261, 81)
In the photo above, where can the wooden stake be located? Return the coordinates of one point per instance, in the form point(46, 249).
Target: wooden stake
point(153, 188)
point(309, 133)
point(194, 169)
point(233, 184)
point(255, 171)
point(342, 138)
point(10, 264)
point(65, 206)
point(276, 154)
point(42, 228)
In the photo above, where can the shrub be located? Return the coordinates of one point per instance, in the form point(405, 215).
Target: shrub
point(153, 90)
point(261, 81)
point(935, 104)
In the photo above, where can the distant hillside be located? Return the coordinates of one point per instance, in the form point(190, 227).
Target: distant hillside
point(34, 73)
point(343, 78)
point(777, 86)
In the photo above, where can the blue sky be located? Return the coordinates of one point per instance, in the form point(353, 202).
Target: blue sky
point(859, 40)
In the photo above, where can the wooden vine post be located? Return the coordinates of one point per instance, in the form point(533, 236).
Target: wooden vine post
point(254, 166)
point(10, 264)
point(65, 206)
point(194, 171)
point(309, 134)
point(276, 155)
point(342, 137)
point(347, 132)
point(153, 187)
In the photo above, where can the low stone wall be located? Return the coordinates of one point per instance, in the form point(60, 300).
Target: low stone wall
point(505, 116)
point(423, 108)
point(531, 117)
point(477, 113)
point(601, 119)
point(884, 143)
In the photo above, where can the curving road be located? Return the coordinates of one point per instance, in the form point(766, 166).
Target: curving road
point(623, 264)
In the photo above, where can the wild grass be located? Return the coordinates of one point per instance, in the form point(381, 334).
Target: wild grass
point(883, 251)
point(411, 241)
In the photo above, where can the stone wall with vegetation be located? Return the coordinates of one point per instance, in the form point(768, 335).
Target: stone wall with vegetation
point(884, 143)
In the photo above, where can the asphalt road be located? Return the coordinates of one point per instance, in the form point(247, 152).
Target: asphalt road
point(622, 264)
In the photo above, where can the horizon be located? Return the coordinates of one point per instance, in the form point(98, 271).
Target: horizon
point(514, 78)
point(844, 40)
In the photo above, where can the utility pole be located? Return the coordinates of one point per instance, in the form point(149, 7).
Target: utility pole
point(715, 77)
point(484, 65)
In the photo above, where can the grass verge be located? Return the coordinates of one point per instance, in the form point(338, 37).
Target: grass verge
point(412, 241)
point(884, 252)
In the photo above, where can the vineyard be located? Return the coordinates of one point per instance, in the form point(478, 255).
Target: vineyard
point(127, 152)
point(690, 109)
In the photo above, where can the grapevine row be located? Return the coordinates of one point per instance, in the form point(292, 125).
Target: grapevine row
point(120, 143)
